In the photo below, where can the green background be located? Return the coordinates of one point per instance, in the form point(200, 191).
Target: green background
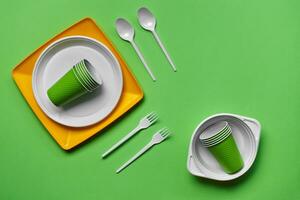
point(232, 56)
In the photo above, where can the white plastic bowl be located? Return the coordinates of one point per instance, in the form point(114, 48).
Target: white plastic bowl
point(246, 132)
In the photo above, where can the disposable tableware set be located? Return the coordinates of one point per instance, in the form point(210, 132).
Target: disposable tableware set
point(223, 147)
point(77, 84)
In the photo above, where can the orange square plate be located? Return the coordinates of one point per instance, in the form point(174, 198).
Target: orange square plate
point(68, 137)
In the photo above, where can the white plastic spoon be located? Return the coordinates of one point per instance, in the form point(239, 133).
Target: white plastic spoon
point(126, 32)
point(148, 22)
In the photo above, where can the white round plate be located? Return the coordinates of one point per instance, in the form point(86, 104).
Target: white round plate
point(246, 133)
point(57, 59)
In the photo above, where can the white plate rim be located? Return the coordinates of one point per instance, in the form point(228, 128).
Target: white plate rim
point(52, 45)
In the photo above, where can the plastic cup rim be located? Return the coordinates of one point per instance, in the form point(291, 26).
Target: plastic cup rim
point(217, 141)
point(83, 82)
point(80, 81)
point(94, 76)
point(85, 71)
point(220, 134)
point(216, 133)
point(83, 76)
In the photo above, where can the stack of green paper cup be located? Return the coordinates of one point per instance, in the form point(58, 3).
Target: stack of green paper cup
point(220, 142)
point(79, 80)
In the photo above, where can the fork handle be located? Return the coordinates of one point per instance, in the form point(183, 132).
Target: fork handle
point(124, 139)
point(141, 152)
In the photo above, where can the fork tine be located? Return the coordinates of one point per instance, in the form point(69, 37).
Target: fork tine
point(167, 135)
point(151, 115)
point(153, 119)
point(163, 131)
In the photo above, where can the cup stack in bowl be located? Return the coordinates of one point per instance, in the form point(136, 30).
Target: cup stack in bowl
point(220, 142)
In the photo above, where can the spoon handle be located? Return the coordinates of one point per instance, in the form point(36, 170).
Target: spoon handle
point(164, 50)
point(143, 60)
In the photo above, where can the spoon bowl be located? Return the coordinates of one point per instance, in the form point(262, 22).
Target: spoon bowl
point(125, 30)
point(146, 19)
point(148, 22)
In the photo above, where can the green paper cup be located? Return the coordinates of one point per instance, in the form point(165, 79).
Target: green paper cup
point(228, 155)
point(66, 89)
point(80, 76)
point(79, 80)
point(214, 131)
point(226, 131)
point(88, 73)
point(217, 140)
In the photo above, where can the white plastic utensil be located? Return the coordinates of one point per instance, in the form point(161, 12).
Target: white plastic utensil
point(148, 22)
point(157, 138)
point(126, 32)
point(144, 123)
